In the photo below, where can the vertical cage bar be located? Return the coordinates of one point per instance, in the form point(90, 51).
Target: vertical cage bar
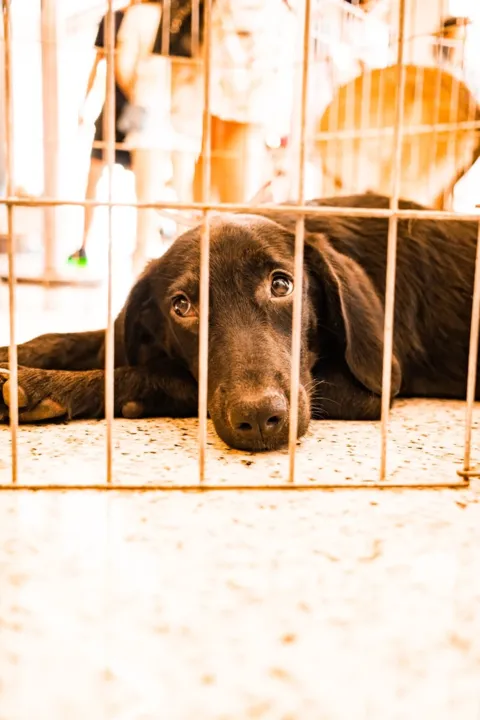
point(348, 149)
point(12, 353)
point(472, 115)
point(336, 120)
point(452, 143)
point(453, 116)
point(165, 26)
point(415, 141)
point(299, 241)
point(472, 359)
point(51, 130)
point(109, 132)
point(365, 115)
point(204, 248)
point(195, 29)
point(380, 114)
point(434, 133)
point(392, 245)
point(436, 142)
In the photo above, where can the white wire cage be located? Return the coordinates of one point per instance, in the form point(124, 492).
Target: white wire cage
point(414, 124)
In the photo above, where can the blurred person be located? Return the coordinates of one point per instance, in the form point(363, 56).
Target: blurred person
point(251, 95)
point(455, 49)
point(448, 48)
point(163, 122)
point(252, 66)
point(98, 154)
point(2, 163)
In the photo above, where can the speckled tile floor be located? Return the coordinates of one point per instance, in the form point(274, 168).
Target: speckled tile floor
point(230, 606)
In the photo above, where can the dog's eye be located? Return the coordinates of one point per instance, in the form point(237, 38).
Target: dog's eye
point(181, 305)
point(282, 284)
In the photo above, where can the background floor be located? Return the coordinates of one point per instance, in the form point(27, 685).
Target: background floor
point(315, 606)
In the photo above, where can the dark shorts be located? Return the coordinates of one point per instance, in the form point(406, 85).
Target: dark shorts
point(122, 157)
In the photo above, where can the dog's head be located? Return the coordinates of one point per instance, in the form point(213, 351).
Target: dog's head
point(250, 322)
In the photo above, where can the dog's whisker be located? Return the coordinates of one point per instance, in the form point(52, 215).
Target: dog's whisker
point(313, 384)
point(330, 400)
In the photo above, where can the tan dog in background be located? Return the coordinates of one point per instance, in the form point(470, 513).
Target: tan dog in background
point(432, 160)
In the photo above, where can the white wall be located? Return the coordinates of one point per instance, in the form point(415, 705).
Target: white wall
point(27, 77)
point(422, 18)
point(77, 23)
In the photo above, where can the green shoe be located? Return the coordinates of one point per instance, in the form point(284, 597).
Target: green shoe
point(79, 258)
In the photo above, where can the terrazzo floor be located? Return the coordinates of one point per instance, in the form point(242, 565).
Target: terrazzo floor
point(349, 605)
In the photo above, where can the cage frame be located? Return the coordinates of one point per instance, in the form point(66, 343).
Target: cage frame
point(460, 479)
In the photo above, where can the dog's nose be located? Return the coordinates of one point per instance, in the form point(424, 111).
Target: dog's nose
point(259, 417)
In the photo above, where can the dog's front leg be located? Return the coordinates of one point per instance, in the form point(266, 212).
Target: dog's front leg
point(60, 351)
point(138, 392)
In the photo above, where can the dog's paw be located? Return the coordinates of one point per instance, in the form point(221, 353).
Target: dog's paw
point(35, 401)
point(3, 407)
point(133, 410)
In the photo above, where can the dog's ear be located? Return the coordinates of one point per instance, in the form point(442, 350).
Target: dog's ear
point(142, 320)
point(355, 313)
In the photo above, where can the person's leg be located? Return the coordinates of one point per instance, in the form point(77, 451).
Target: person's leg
point(238, 160)
point(186, 117)
point(94, 174)
point(247, 171)
point(152, 170)
point(183, 165)
point(2, 167)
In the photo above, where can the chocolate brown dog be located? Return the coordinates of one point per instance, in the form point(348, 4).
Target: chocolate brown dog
point(250, 327)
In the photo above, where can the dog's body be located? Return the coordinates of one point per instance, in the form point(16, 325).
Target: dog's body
point(251, 271)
